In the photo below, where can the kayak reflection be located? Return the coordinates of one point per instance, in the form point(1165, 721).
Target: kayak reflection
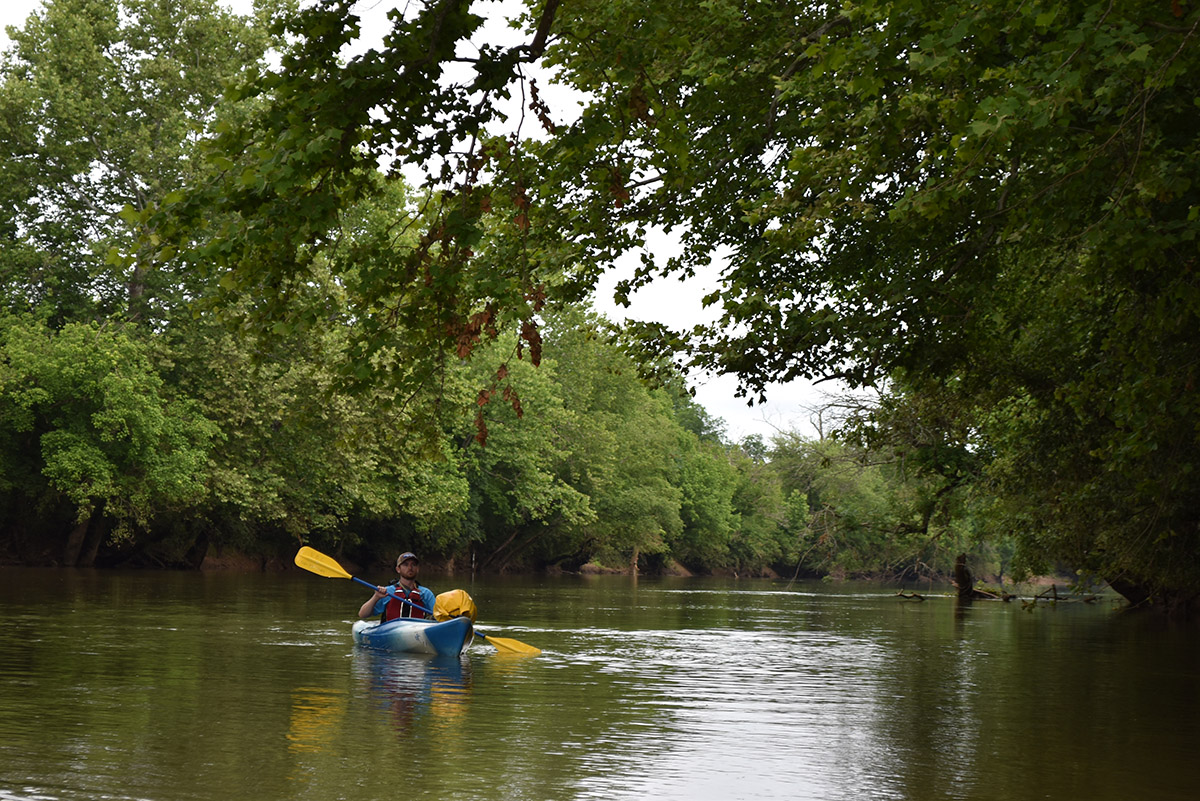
point(317, 713)
point(431, 692)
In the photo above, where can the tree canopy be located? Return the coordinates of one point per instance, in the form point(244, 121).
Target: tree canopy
point(992, 204)
point(986, 211)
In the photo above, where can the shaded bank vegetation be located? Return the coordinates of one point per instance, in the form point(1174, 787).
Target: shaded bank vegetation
point(230, 323)
point(126, 449)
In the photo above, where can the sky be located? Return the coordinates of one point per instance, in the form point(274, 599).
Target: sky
point(789, 407)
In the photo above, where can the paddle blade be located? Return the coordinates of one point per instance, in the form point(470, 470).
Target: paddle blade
point(317, 562)
point(505, 645)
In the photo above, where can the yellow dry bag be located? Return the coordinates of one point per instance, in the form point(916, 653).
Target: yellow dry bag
point(454, 603)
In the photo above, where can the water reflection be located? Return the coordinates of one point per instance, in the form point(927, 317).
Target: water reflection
point(316, 714)
point(658, 691)
point(413, 690)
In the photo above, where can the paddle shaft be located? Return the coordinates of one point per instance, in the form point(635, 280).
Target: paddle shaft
point(393, 595)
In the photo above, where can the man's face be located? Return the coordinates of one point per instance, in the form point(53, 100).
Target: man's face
point(407, 569)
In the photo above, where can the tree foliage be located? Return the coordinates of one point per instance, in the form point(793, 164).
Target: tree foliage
point(986, 211)
point(161, 431)
point(89, 428)
point(994, 204)
point(102, 107)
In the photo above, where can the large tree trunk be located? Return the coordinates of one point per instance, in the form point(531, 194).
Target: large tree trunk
point(195, 555)
point(965, 582)
point(962, 577)
point(75, 542)
point(87, 557)
point(1134, 592)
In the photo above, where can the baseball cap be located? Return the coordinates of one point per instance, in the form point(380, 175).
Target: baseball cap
point(405, 556)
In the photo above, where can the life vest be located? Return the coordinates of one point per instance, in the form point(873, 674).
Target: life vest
point(396, 608)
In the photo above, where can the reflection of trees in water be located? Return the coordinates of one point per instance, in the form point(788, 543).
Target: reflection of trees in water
point(415, 692)
point(430, 690)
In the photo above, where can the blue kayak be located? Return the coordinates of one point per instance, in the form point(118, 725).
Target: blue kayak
point(420, 636)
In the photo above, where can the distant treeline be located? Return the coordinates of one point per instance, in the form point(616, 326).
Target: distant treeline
point(127, 447)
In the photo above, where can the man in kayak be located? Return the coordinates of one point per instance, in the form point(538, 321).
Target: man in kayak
point(385, 602)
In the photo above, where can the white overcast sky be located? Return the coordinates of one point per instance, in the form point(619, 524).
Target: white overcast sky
point(788, 407)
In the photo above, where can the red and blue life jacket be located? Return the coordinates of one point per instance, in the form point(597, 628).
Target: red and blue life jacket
point(396, 608)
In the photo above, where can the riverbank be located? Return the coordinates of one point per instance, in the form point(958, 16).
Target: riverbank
point(241, 562)
point(225, 560)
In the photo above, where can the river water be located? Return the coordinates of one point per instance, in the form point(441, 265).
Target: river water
point(182, 686)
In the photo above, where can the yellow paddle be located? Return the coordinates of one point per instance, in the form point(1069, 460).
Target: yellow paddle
point(316, 562)
point(506, 645)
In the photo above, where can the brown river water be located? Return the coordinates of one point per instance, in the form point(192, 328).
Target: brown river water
point(164, 686)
